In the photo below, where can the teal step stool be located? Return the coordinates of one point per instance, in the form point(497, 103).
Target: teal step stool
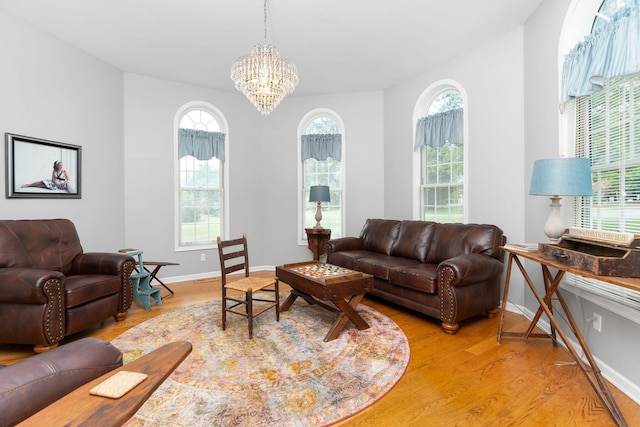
point(143, 292)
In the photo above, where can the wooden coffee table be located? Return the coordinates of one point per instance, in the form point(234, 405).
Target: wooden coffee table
point(319, 283)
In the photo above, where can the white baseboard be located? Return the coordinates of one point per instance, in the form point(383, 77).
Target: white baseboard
point(210, 275)
point(621, 382)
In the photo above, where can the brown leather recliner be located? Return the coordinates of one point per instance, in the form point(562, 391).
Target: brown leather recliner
point(50, 289)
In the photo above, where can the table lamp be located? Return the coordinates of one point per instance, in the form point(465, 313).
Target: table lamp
point(319, 194)
point(564, 176)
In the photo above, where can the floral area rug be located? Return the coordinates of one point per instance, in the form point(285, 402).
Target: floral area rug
point(286, 376)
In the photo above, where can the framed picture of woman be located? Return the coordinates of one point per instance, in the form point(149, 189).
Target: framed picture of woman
point(38, 168)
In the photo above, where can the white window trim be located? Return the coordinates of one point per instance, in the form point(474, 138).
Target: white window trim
point(224, 127)
point(302, 125)
point(423, 102)
point(577, 24)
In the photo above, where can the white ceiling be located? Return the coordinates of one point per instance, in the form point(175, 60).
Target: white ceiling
point(337, 45)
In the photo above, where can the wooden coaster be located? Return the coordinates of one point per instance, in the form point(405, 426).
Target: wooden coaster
point(119, 384)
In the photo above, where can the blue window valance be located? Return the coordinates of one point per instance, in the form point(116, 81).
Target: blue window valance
point(438, 129)
point(201, 144)
point(612, 51)
point(322, 146)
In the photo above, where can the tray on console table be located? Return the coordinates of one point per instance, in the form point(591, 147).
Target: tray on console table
point(594, 257)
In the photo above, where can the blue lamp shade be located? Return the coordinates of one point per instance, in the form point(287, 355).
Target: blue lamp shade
point(319, 193)
point(564, 176)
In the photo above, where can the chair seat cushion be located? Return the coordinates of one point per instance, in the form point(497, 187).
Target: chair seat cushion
point(83, 288)
point(253, 283)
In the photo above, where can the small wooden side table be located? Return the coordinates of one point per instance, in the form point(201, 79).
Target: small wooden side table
point(316, 239)
point(157, 265)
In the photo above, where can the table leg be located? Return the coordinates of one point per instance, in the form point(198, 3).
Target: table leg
point(592, 372)
point(153, 274)
point(347, 313)
point(550, 286)
point(505, 297)
point(529, 333)
point(286, 305)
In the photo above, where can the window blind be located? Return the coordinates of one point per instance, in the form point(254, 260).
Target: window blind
point(605, 127)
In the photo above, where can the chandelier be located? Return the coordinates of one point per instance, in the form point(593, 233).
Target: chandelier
point(263, 76)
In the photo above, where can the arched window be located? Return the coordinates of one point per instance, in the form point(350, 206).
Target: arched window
point(600, 109)
point(440, 155)
point(321, 162)
point(601, 118)
point(201, 197)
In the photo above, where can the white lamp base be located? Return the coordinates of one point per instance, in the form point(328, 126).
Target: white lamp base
point(318, 216)
point(554, 227)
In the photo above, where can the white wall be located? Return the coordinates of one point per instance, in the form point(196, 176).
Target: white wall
point(150, 107)
point(491, 75)
point(613, 345)
point(124, 124)
point(52, 91)
point(263, 169)
point(362, 115)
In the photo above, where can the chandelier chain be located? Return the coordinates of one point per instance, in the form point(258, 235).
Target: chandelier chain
point(265, 21)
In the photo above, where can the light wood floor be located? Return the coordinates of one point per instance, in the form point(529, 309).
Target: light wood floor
point(467, 379)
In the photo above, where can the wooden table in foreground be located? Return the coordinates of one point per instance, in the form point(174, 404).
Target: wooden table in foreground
point(319, 283)
point(551, 284)
point(79, 408)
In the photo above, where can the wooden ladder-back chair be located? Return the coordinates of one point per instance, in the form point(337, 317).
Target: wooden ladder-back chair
point(234, 256)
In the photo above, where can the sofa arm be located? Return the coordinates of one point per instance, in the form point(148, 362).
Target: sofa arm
point(30, 286)
point(112, 264)
point(471, 268)
point(34, 383)
point(100, 263)
point(345, 244)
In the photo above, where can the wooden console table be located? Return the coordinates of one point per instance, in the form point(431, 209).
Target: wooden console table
point(316, 239)
point(551, 284)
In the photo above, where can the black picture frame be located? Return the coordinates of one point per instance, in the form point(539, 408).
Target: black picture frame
point(30, 166)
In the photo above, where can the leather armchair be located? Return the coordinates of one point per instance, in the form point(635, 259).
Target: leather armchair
point(50, 289)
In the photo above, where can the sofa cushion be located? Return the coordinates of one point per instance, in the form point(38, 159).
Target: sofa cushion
point(451, 240)
point(82, 288)
point(413, 239)
point(420, 277)
point(348, 259)
point(379, 235)
point(379, 264)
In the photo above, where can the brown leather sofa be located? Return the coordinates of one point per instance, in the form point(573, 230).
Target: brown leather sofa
point(34, 383)
point(50, 289)
point(448, 271)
